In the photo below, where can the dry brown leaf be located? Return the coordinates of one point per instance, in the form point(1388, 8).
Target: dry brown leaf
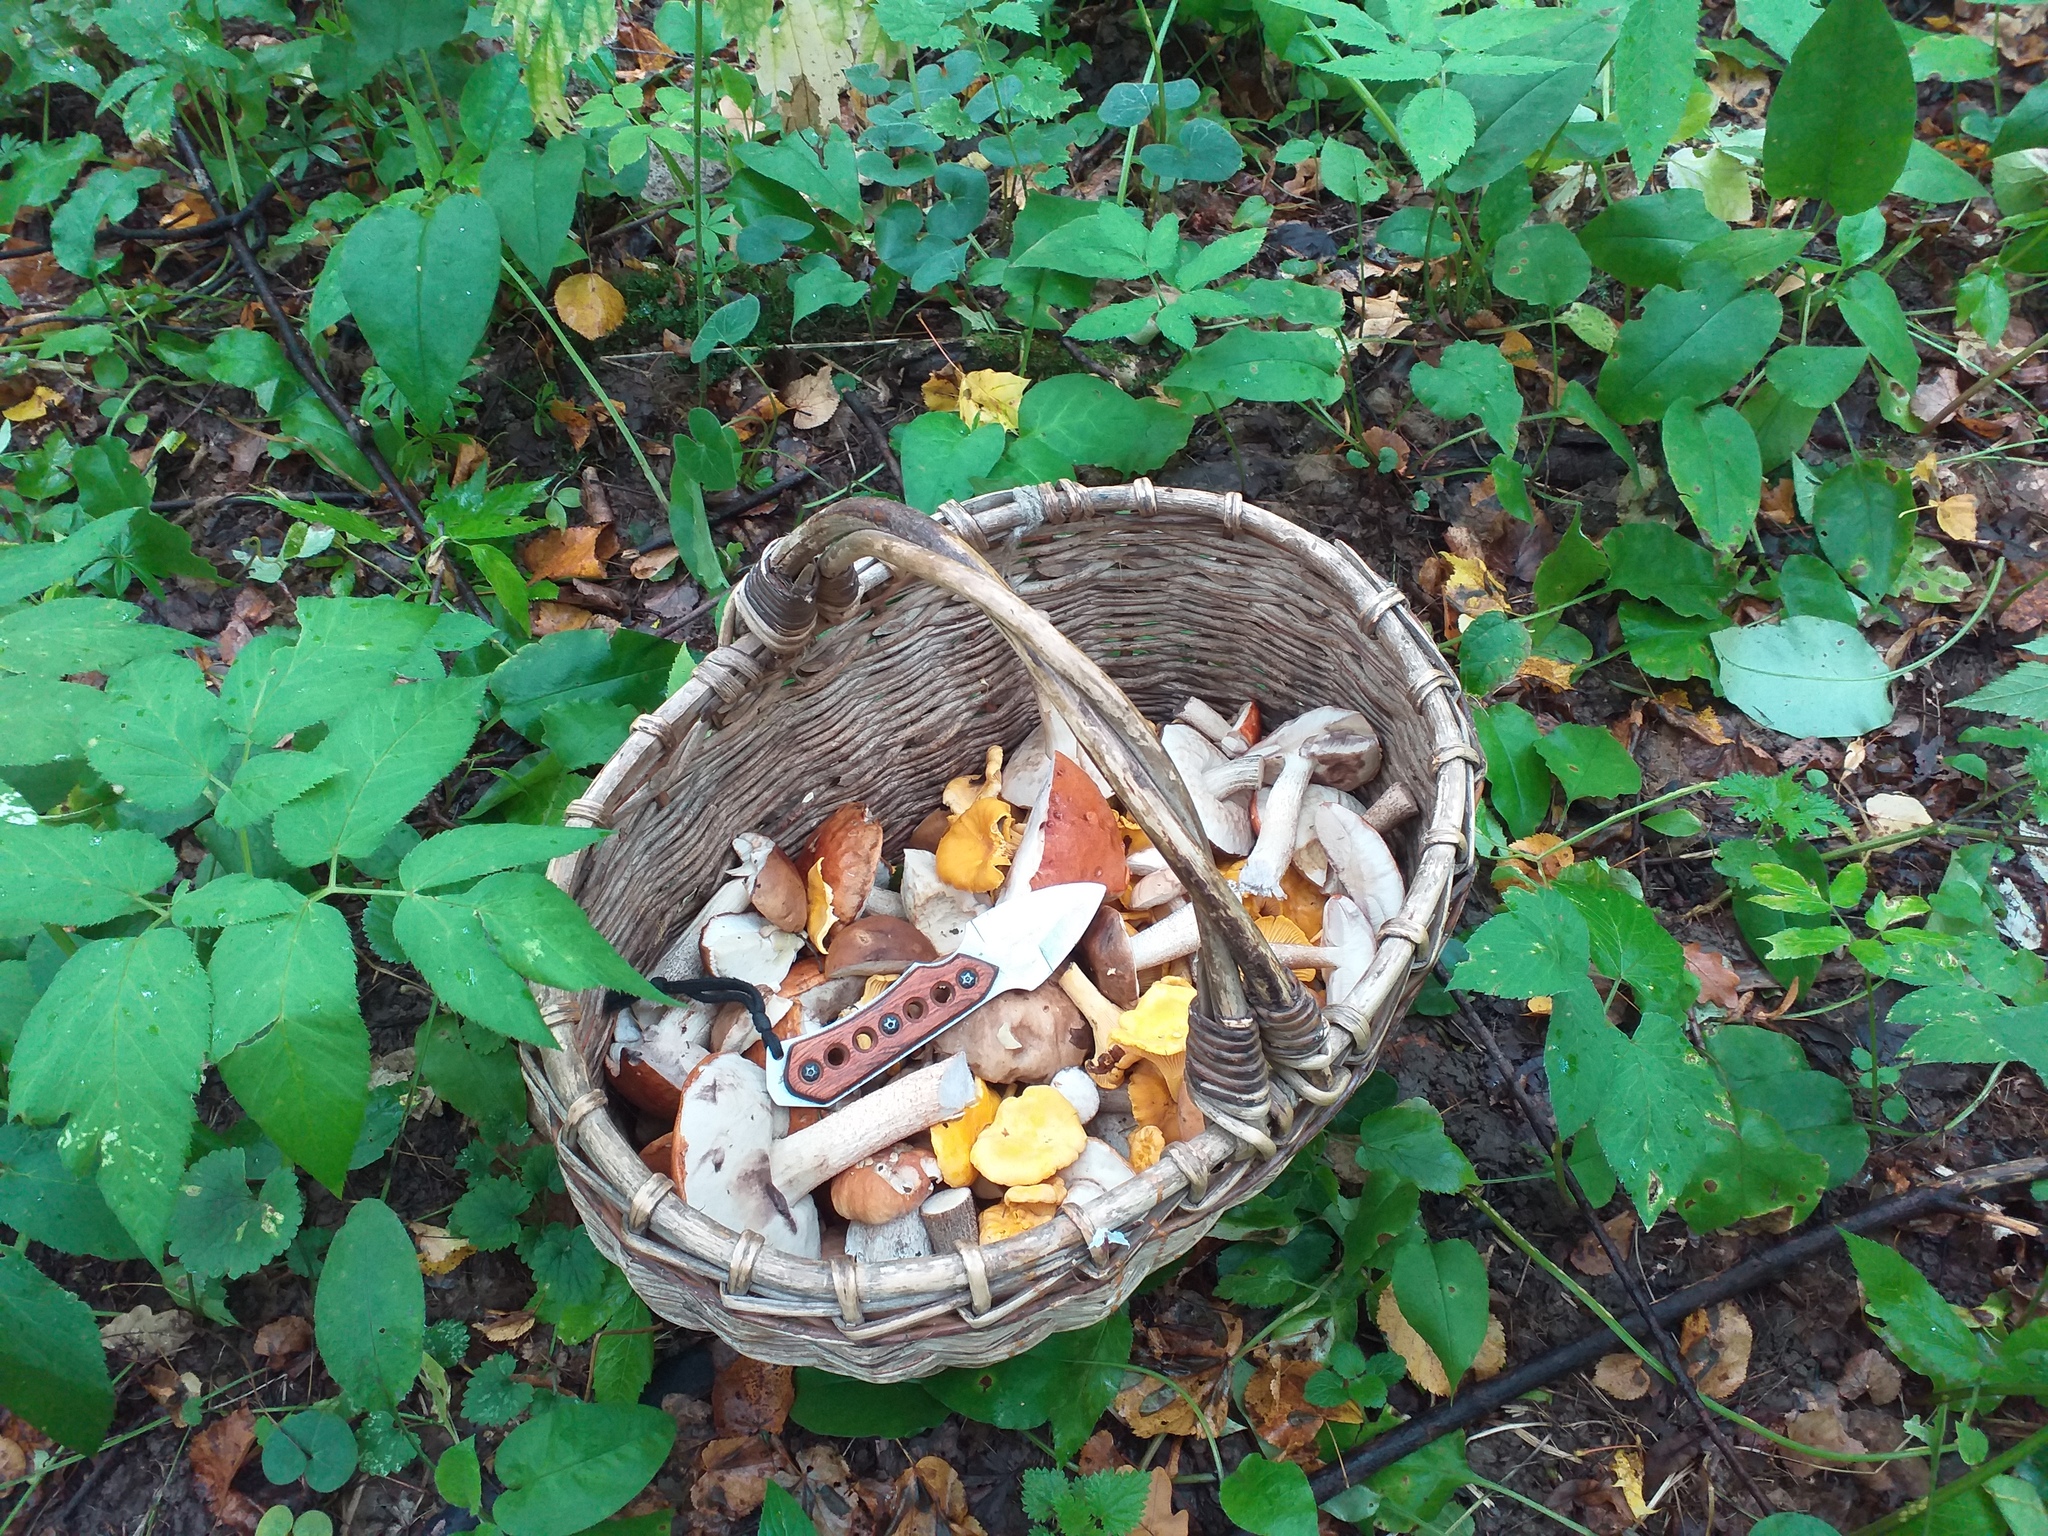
point(2027, 611)
point(1622, 1377)
point(1589, 1255)
point(1547, 670)
point(551, 618)
point(140, 1334)
point(440, 1253)
point(1888, 814)
point(1377, 439)
point(562, 554)
point(1424, 1369)
point(1160, 1517)
point(589, 306)
point(749, 1397)
point(948, 1495)
point(566, 415)
point(1870, 1374)
point(1154, 1408)
point(1715, 1342)
point(650, 563)
point(504, 1327)
point(1957, 516)
point(1097, 1454)
point(218, 1452)
point(1824, 1430)
point(1281, 1414)
point(733, 1472)
point(470, 457)
point(1493, 1351)
point(812, 400)
point(13, 1460)
point(1719, 984)
point(283, 1337)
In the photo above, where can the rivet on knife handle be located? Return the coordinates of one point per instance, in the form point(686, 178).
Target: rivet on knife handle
point(925, 1000)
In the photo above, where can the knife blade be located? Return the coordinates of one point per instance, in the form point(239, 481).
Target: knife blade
point(1013, 947)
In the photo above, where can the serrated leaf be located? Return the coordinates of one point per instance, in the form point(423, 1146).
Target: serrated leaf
point(1437, 125)
point(76, 876)
point(390, 750)
point(468, 852)
point(218, 1227)
point(158, 734)
point(1581, 1051)
point(1536, 946)
point(1654, 1116)
point(300, 966)
point(1917, 1322)
point(47, 720)
point(2022, 693)
point(305, 1081)
point(488, 1215)
point(116, 1044)
point(53, 1371)
point(1628, 943)
point(492, 1396)
point(346, 650)
point(51, 1204)
point(68, 635)
point(1408, 1140)
point(370, 1307)
point(265, 783)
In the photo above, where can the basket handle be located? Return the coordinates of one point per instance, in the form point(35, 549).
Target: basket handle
point(1243, 992)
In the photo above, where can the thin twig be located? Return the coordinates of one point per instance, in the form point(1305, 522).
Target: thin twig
point(866, 418)
point(1987, 381)
point(288, 338)
point(766, 493)
point(169, 236)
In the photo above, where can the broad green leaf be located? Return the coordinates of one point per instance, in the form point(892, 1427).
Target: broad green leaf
point(1780, 23)
point(1408, 1140)
point(305, 1081)
point(1088, 420)
point(543, 934)
point(370, 1308)
point(822, 173)
point(1518, 114)
point(1931, 177)
point(577, 1464)
point(1748, 253)
point(1216, 260)
point(1805, 677)
point(421, 289)
point(1246, 364)
point(1872, 310)
point(1984, 302)
point(268, 782)
point(1780, 423)
point(1111, 243)
point(1628, 943)
point(459, 1478)
point(1687, 345)
point(1808, 585)
point(1436, 126)
point(488, 1215)
point(1541, 264)
point(348, 649)
point(1536, 946)
point(1750, 1171)
point(117, 1044)
point(494, 108)
point(622, 1361)
point(49, 1203)
point(2022, 692)
point(469, 852)
point(1666, 644)
point(47, 720)
point(727, 326)
point(1573, 567)
point(1414, 1490)
point(1472, 379)
point(1736, 861)
point(532, 192)
point(1863, 517)
point(942, 457)
point(68, 635)
point(1491, 651)
point(821, 283)
point(1711, 454)
point(1069, 1380)
point(391, 750)
point(446, 938)
point(158, 734)
point(1581, 1051)
point(1590, 763)
point(1441, 1288)
point(74, 875)
point(2020, 1503)
point(313, 1444)
point(53, 1369)
point(218, 1227)
point(1269, 1498)
point(1517, 781)
point(1653, 76)
point(1917, 1322)
point(1643, 241)
point(1648, 560)
point(1815, 376)
point(1841, 116)
point(474, 1070)
point(300, 966)
point(839, 1406)
point(1653, 1119)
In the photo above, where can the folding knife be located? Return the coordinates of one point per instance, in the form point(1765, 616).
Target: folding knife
point(1013, 947)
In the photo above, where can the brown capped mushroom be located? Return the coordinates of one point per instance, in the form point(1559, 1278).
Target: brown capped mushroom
point(898, 1110)
point(885, 1185)
point(721, 1157)
point(1025, 1037)
point(874, 943)
point(774, 885)
point(1071, 835)
point(840, 868)
point(1105, 952)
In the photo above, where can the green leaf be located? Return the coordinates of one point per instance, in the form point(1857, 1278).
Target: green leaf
point(1069, 1379)
point(1805, 677)
point(421, 289)
point(1575, 565)
point(384, 1447)
point(488, 1215)
point(1269, 1498)
point(1542, 264)
point(1408, 1140)
point(468, 852)
point(1841, 116)
point(1628, 943)
point(1473, 379)
point(1931, 177)
point(1748, 253)
point(300, 966)
point(727, 326)
point(348, 649)
point(1590, 763)
point(1246, 364)
point(1665, 644)
point(1712, 457)
point(1687, 345)
point(1536, 946)
point(494, 108)
point(582, 666)
point(219, 1228)
point(1436, 126)
point(1872, 310)
point(823, 174)
point(446, 938)
point(2022, 692)
point(370, 1308)
point(266, 783)
point(305, 1080)
point(577, 1464)
point(111, 194)
point(1517, 781)
point(532, 192)
point(1581, 1052)
point(49, 1203)
point(1815, 376)
point(1917, 1323)
point(48, 720)
point(622, 1361)
point(313, 1444)
point(821, 283)
point(1653, 76)
point(1648, 560)
point(117, 1043)
point(69, 635)
point(1088, 420)
point(1441, 1288)
point(390, 751)
point(1863, 517)
point(942, 457)
point(848, 1409)
point(1415, 1489)
point(1109, 243)
point(459, 1477)
point(1655, 1114)
point(492, 1396)
point(2020, 1503)
point(1643, 241)
point(53, 1369)
point(75, 876)
point(475, 1071)
point(1491, 651)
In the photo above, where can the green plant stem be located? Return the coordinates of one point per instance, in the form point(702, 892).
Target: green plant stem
point(1976, 1477)
point(1990, 592)
point(1977, 1103)
point(697, 158)
point(1522, 1498)
point(562, 338)
point(1153, 66)
point(1360, 90)
point(1636, 810)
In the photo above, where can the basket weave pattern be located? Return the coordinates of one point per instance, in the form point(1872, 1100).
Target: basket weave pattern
point(1169, 592)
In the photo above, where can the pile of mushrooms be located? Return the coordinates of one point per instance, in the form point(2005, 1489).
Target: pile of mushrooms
point(1038, 1097)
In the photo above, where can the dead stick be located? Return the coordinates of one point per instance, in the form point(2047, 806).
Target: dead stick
point(288, 338)
point(1988, 380)
point(1470, 1406)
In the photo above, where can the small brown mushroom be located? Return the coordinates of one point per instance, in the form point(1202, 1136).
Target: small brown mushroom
point(1071, 835)
point(1025, 1037)
point(890, 943)
point(1106, 956)
point(773, 883)
point(839, 869)
point(924, 837)
point(881, 1187)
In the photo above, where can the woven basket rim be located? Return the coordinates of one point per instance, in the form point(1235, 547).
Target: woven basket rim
point(982, 1299)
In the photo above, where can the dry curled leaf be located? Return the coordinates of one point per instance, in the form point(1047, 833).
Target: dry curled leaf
point(1870, 1374)
point(1589, 1254)
point(1823, 1429)
point(1715, 1342)
point(1719, 984)
point(812, 400)
point(140, 1334)
point(439, 1252)
point(572, 420)
point(733, 1472)
point(284, 1337)
point(987, 394)
point(504, 1327)
point(1628, 1477)
point(589, 306)
point(948, 1494)
point(1622, 1377)
point(218, 1452)
point(1493, 1351)
point(470, 456)
point(1424, 1369)
point(749, 1397)
point(34, 406)
point(1160, 1517)
point(551, 618)
point(1283, 1417)
point(1154, 1408)
point(562, 554)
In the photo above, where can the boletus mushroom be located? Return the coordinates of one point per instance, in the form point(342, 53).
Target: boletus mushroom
point(839, 871)
point(1025, 1037)
point(721, 1165)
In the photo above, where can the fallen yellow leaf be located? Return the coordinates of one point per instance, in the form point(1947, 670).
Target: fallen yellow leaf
point(439, 1253)
point(589, 306)
point(983, 395)
point(1957, 516)
point(1628, 1475)
point(35, 407)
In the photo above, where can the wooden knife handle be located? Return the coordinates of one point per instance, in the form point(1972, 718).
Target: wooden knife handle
point(929, 997)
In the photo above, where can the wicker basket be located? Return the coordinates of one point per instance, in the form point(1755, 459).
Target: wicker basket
point(880, 654)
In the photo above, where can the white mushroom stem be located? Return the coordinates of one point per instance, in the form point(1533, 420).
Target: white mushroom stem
point(1099, 1011)
point(684, 960)
point(1156, 890)
point(949, 1219)
point(1079, 1090)
point(1234, 776)
point(1173, 937)
point(1098, 1170)
point(903, 1238)
point(895, 1112)
point(1349, 938)
point(1364, 864)
point(1279, 821)
point(1226, 822)
point(1206, 720)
